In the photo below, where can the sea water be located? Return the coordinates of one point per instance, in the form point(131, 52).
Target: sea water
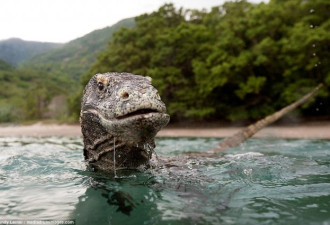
point(264, 181)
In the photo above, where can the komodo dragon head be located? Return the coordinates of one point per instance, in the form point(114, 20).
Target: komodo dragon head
point(121, 114)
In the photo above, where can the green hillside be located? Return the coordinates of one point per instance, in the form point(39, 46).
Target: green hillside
point(75, 58)
point(26, 95)
point(42, 86)
point(239, 61)
point(14, 50)
point(5, 66)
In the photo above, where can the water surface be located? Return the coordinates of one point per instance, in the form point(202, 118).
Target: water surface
point(262, 182)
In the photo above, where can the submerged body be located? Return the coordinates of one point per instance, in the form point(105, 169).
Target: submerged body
point(121, 114)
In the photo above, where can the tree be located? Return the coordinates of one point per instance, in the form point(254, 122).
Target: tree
point(238, 61)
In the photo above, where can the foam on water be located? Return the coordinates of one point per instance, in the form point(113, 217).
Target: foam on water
point(262, 182)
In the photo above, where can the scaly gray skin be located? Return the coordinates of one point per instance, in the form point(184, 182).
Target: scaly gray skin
point(121, 114)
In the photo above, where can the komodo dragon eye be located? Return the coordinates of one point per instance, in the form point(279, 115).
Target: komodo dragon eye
point(100, 86)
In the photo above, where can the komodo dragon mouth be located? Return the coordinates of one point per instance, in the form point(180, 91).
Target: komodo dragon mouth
point(137, 113)
point(128, 118)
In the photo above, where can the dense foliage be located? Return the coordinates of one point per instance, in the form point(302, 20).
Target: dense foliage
point(238, 61)
point(27, 94)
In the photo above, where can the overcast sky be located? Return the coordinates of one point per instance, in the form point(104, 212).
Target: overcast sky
point(65, 20)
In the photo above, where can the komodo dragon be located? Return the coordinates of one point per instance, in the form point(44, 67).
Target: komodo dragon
point(121, 114)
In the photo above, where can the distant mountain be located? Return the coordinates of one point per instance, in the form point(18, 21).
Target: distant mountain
point(15, 50)
point(74, 58)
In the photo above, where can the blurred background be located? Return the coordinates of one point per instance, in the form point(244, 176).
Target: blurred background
point(210, 60)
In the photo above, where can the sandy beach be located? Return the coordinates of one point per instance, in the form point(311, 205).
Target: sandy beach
point(314, 130)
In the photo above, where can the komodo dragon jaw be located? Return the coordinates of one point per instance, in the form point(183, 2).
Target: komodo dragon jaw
point(121, 114)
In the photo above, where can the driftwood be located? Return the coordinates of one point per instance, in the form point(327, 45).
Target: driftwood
point(249, 131)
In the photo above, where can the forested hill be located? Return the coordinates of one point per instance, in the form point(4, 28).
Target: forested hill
point(42, 87)
point(15, 50)
point(5, 66)
point(74, 58)
point(238, 61)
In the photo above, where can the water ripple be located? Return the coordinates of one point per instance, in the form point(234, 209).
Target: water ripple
point(262, 182)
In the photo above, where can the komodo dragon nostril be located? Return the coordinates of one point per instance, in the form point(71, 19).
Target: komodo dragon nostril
point(124, 95)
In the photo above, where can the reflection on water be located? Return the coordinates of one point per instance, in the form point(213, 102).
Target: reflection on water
point(262, 182)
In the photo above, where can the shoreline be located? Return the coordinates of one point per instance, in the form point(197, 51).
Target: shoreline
point(319, 130)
